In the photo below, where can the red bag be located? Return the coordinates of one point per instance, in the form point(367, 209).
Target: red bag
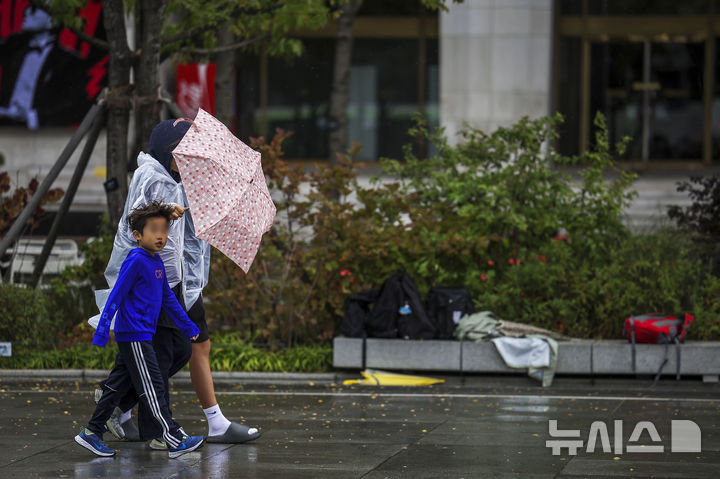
point(658, 328)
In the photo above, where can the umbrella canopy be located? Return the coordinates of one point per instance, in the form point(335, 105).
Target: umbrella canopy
point(228, 197)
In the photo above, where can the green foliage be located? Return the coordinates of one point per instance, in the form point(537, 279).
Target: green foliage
point(700, 220)
point(72, 293)
point(535, 236)
point(25, 318)
point(227, 355)
point(554, 289)
point(79, 356)
point(230, 354)
point(270, 20)
point(502, 195)
point(296, 274)
point(192, 25)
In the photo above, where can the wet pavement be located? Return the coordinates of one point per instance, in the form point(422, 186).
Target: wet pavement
point(466, 428)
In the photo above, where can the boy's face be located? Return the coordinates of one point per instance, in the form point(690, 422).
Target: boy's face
point(154, 236)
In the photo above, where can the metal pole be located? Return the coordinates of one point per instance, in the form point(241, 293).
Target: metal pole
point(40, 262)
point(62, 160)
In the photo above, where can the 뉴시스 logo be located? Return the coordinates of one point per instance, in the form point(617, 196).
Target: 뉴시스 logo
point(684, 437)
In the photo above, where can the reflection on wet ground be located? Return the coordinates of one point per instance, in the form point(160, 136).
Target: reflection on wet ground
point(467, 428)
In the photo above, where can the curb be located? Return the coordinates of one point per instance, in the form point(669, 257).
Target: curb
point(90, 375)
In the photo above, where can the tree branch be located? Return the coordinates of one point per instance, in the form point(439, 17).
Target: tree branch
point(96, 42)
point(200, 30)
point(227, 48)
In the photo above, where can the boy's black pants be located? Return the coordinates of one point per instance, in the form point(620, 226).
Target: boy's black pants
point(173, 351)
point(136, 367)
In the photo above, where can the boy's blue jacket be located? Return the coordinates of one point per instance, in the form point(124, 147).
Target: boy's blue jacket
point(139, 293)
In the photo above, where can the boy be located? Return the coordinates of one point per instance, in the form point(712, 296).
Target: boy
point(139, 293)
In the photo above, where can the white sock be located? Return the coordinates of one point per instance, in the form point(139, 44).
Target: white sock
point(217, 423)
point(126, 416)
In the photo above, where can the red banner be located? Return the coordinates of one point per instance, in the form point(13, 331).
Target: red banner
point(195, 87)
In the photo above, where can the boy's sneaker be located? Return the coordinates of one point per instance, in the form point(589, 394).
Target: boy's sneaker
point(158, 445)
point(91, 441)
point(189, 443)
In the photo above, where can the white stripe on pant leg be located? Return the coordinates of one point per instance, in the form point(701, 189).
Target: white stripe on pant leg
point(150, 394)
point(137, 355)
point(152, 399)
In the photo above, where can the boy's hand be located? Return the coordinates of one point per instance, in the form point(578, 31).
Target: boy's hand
point(194, 337)
point(178, 211)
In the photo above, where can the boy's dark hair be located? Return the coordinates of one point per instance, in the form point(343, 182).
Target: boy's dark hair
point(139, 216)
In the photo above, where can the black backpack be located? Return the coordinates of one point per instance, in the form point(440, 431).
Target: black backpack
point(445, 307)
point(357, 313)
point(399, 311)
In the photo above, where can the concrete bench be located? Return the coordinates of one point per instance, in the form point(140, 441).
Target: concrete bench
point(576, 357)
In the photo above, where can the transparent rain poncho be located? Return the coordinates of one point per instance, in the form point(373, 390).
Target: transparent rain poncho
point(196, 256)
point(186, 257)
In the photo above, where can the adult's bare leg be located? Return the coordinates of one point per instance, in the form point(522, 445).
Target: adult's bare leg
point(200, 374)
point(220, 429)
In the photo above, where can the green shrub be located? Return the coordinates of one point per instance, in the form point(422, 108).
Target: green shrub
point(72, 293)
point(495, 198)
point(656, 272)
point(227, 355)
point(26, 318)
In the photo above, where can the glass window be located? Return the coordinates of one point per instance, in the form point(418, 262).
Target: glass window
point(388, 71)
point(676, 107)
point(568, 101)
point(668, 95)
point(716, 106)
point(615, 69)
point(571, 7)
point(648, 7)
point(389, 8)
point(383, 96)
point(298, 95)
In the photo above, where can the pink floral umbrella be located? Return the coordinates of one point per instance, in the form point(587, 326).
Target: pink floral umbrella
point(226, 190)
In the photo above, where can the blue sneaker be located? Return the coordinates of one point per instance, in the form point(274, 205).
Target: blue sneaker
point(91, 441)
point(189, 443)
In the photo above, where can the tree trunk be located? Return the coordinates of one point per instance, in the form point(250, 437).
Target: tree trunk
point(118, 108)
point(147, 80)
point(224, 85)
point(341, 80)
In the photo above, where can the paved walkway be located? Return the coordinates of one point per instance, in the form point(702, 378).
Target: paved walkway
point(482, 427)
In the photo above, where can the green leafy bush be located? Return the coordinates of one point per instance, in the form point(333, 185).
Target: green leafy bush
point(25, 317)
point(227, 355)
point(72, 294)
point(479, 214)
point(554, 289)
